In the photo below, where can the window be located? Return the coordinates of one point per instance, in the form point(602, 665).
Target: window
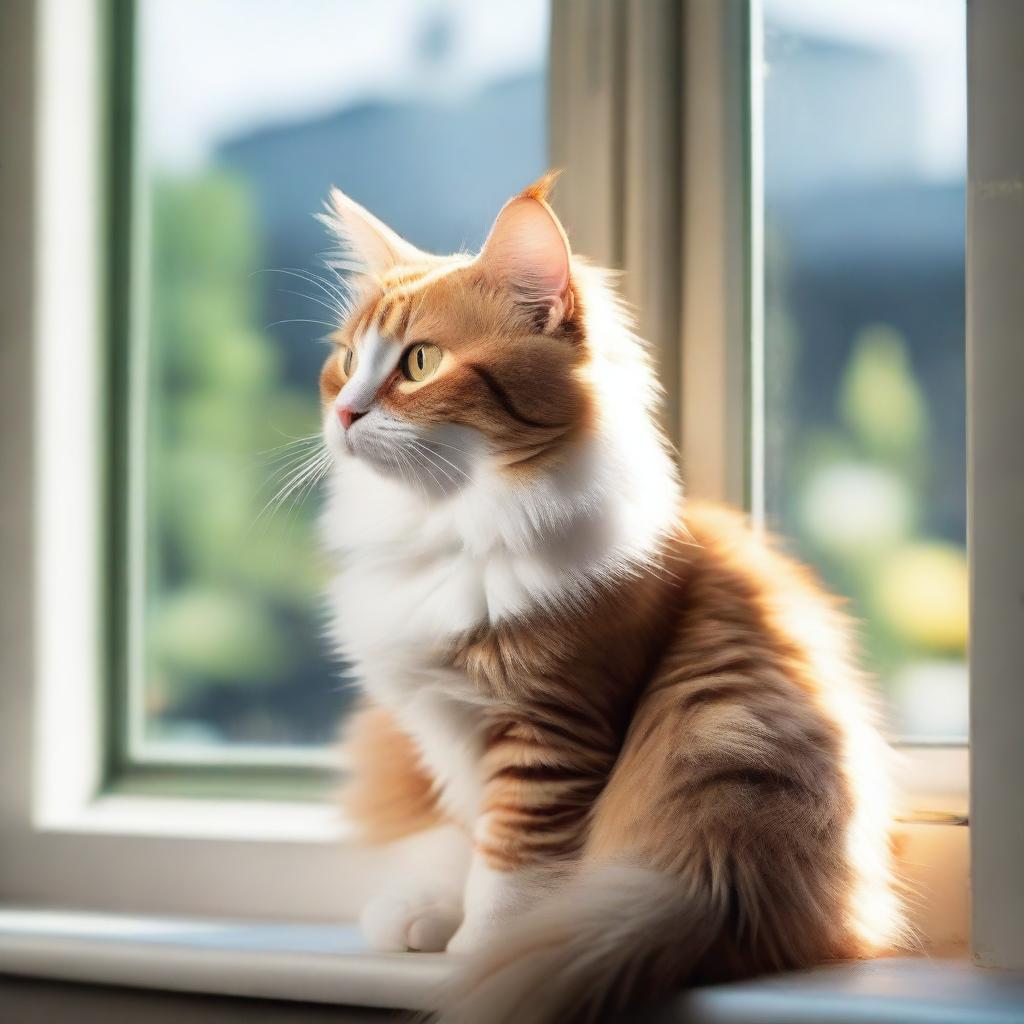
point(241, 115)
point(864, 448)
point(245, 114)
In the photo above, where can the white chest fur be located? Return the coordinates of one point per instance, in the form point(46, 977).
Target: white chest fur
point(416, 574)
point(411, 583)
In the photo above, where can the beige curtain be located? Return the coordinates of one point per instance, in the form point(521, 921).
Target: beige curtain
point(615, 129)
point(649, 122)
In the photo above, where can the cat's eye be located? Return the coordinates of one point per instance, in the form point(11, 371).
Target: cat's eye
point(421, 361)
point(348, 361)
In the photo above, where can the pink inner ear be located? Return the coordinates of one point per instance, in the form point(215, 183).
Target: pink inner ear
point(527, 251)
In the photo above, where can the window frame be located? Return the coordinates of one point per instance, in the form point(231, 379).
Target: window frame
point(130, 852)
point(995, 467)
point(141, 853)
point(134, 765)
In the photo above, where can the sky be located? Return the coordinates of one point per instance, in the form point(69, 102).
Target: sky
point(210, 68)
point(930, 34)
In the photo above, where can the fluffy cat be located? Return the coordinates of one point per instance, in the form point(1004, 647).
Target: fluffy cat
point(634, 723)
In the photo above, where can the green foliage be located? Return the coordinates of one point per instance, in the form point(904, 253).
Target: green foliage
point(234, 598)
point(860, 493)
point(880, 401)
point(205, 637)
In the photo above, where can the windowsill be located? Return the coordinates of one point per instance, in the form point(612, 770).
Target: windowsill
point(306, 963)
point(255, 820)
point(330, 964)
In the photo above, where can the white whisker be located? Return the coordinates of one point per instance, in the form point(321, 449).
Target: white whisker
point(427, 446)
point(340, 313)
point(278, 323)
point(296, 479)
point(427, 455)
point(417, 457)
point(340, 301)
point(444, 444)
point(294, 443)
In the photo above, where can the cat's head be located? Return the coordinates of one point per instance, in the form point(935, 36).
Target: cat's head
point(447, 361)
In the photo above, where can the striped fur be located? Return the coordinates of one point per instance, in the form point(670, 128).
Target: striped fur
point(646, 719)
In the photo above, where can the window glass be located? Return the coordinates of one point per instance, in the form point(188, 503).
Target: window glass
point(864, 158)
point(246, 111)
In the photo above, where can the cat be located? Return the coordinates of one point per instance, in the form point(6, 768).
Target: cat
point(633, 727)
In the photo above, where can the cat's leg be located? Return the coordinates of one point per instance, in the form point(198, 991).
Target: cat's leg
point(421, 908)
point(535, 800)
point(391, 800)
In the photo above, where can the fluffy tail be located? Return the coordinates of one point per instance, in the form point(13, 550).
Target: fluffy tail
point(615, 937)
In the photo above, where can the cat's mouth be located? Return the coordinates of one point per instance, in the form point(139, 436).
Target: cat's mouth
point(435, 462)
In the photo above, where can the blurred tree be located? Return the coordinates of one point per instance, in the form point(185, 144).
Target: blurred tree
point(233, 630)
point(861, 487)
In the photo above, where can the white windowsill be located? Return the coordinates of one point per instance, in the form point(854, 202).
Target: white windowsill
point(307, 963)
point(252, 820)
point(330, 964)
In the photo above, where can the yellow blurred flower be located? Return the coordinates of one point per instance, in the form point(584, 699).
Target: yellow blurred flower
point(921, 593)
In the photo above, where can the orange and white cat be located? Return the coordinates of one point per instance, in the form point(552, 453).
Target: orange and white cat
point(632, 727)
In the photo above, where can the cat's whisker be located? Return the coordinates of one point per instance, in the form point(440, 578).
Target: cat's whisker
point(444, 444)
point(286, 461)
point(405, 469)
point(429, 457)
point(418, 458)
point(299, 320)
point(340, 302)
point(296, 478)
point(425, 445)
point(335, 283)
point(412, 474)
point(297, 442)
point(340, 291)
point(341, 314)
point(306, 489)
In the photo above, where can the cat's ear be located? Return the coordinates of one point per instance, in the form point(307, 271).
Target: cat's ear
point(528, 253)
point(368, 242)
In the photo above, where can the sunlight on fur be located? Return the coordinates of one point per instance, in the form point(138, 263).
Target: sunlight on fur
point(630, 730)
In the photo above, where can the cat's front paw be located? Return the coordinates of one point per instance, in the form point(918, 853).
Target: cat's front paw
point(420, 920)
point(472, 934)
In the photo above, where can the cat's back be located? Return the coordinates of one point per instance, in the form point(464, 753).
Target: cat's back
point(761, 650)
point(744, 598)
point(758, 724)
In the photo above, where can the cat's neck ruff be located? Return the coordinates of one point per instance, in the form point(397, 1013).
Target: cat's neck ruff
point(529, 545)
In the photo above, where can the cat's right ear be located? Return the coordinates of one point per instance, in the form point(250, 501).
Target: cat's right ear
point(527, 252)
point(367, 242)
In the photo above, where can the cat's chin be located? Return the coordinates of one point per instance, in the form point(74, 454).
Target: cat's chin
point(391, 469)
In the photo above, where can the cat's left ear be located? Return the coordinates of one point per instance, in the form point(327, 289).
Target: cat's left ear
point(528, 253)
point(372, 245)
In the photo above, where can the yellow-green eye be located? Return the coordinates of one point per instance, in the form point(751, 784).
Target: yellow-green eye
point(421, 361)
point(348, 361)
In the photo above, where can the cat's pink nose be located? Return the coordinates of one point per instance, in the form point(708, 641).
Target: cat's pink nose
point(348, 415)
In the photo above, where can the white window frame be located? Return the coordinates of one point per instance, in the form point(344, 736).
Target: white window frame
point(62, 842)
point(995, 510)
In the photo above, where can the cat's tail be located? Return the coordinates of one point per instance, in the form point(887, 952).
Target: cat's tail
point(614, 937)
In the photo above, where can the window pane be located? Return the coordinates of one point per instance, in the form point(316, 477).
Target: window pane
point(431, 114)
point(865, 143)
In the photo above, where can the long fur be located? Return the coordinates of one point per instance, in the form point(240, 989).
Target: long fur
point(646, 719)
point(614, 938)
